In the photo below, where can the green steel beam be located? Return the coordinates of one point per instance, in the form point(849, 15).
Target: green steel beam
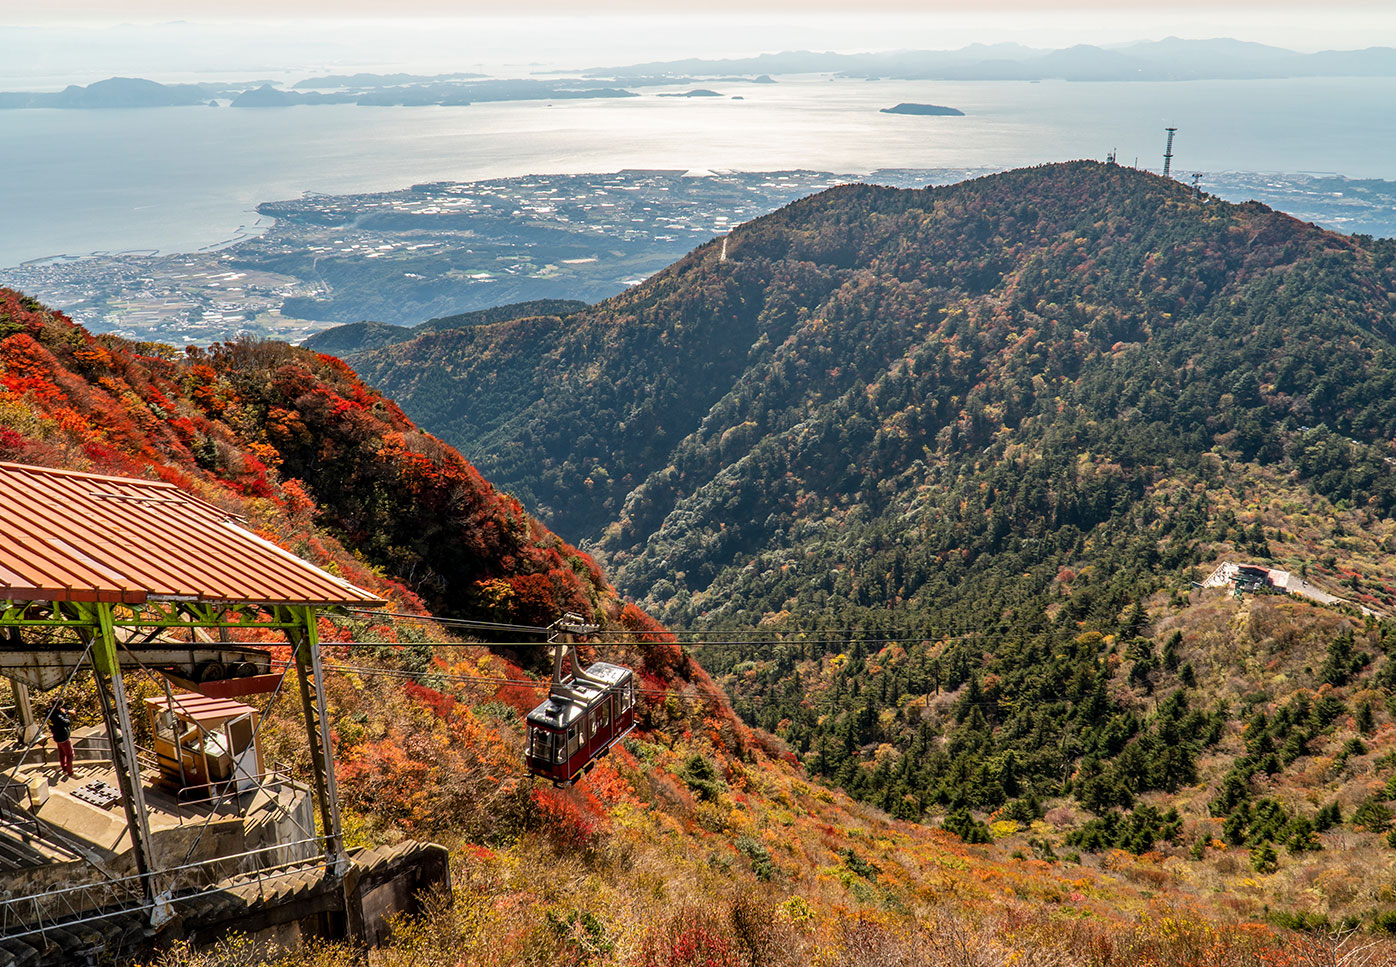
point(111, 691)
point(153, 614)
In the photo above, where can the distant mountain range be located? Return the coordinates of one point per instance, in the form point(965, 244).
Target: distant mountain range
point(1173, 59)
point(129, 92)
point(445, 93)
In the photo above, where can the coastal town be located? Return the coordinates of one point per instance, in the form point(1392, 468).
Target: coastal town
point(447, 247)
point(429, 250)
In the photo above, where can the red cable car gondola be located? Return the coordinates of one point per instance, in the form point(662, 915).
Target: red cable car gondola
point(586, 712)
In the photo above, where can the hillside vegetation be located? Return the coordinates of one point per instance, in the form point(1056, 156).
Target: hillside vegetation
point(697, 841)
point(296, 443)
point(958, 455)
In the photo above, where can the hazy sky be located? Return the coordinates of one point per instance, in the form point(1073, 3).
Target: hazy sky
point(135, 10)
point(51, 42)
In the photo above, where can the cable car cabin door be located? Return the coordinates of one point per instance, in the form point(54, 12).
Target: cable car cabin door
point(546, 752)
point(602, 730)
point(242, 739)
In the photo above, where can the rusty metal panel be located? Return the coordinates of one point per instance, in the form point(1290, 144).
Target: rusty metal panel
point(46, 666)
point(230, 687)
point(71, 536)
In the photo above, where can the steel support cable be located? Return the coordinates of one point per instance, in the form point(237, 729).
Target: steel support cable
point(541, 685)
point(489, 680)
point(895, 635)
point(617, 644)
point(908, 639)
point(456, 622)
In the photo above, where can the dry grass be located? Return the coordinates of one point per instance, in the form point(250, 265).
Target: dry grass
point(658, 879)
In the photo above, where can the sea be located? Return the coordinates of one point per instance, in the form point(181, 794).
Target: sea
point(75, 182)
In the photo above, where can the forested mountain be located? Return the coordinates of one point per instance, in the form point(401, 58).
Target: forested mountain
point(696, 841)
point(949, 461)
point(358, 337)
point(877, 393)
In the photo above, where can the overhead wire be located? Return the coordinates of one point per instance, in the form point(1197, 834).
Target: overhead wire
point(327, 642)
point(542, 684)
point(538, 684)
point(758, 634)
point(434, 645)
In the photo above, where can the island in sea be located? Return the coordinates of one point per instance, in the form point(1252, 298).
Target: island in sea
point(935, 110)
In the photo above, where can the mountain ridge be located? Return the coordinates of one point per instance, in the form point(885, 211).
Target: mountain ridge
point(1172, 59)
point(961, 267)
point(937, 469)
point(358, 337)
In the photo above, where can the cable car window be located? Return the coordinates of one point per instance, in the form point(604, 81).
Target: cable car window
point(572, 742)
point(605, 713)
point(629, 693)
point(592, 719)
point(542, 744)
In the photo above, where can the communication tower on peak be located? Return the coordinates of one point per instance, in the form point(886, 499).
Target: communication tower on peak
point(1168, 153)
point(1110, 158)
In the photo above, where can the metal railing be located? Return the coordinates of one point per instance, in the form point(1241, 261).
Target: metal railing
point(44, 910)
point(234, 802)
point(277, 777)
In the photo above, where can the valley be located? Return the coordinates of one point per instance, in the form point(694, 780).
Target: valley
point(927, 478)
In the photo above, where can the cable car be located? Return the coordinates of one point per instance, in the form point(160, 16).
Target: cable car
point(586, 712)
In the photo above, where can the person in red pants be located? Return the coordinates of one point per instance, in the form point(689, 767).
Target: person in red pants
point(60, 726)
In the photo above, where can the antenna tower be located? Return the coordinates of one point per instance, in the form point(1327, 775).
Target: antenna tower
point(1168, 153)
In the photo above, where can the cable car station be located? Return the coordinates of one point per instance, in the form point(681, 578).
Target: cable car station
point(102, 576)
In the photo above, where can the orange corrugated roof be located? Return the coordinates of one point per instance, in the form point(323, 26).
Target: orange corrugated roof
point(200, 708)
point(67, 536)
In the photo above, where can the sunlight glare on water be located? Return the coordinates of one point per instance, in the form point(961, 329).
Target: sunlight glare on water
point(178, 179)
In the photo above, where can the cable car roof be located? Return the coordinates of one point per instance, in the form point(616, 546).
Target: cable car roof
point(71, 536)
point(561, 710)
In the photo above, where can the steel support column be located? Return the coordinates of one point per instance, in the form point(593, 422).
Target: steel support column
point(111, 691)
point(24, 709)
point(305, 641)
